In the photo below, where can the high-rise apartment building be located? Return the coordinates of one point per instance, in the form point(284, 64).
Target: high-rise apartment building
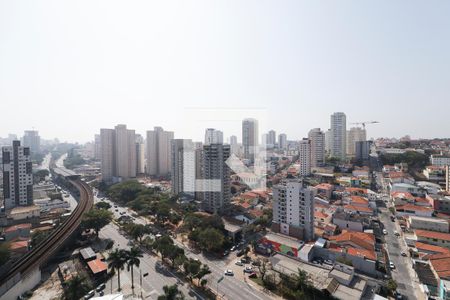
point(183, 167)
point(355, 134)
point(271, 138)
point(338, 135)
point(140, 154)
point(362, 153)
point(118, 153)
point(317, 139)
point(17, 176)
point(304, 157)
point(32, 140)
point(250, 138)
point(97, 147)
point(282, 141)
point(158, 151)
point(216, 198)
point(233, 140)
point(293, 209)
point(328, 141)
point(213, 136)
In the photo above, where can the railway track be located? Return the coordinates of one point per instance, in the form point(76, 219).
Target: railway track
point(40, 254)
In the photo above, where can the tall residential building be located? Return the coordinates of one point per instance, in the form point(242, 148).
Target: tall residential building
point(183, 167)
point(271, 138)
point(233, 140)
point(304, 157)
point(250, 138)
point(158, 151)
point(355, 134)
point(338, 135)
point(17, 176)
point(317, 138)
point(118, 153)
point(97, 147)
point(140, 154)
point(293, 209)
point(32, 140)
point(216, 198)
point(282, 141)
point(213, 136)
point(362, 153)
point(328, 141)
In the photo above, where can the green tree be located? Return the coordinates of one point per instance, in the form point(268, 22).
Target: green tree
point(191, 268)
point(116, 261)
point(76, 287)
point(211, 239)
point(391, 286)
point(204, 270)
point(38, 236)
point(133, 259)
point(171, 293)
point(163, 245)
point(5, 254)
point(102, 205)
point(174, 253)
point(96, 219)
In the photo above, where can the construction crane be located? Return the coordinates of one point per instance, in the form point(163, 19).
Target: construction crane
point(364, 123)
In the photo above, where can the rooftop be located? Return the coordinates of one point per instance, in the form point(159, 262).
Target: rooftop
point(433, 235)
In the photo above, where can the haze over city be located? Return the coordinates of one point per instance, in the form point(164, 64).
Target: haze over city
point(85, 65)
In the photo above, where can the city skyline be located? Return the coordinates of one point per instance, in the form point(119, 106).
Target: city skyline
point(118, 68)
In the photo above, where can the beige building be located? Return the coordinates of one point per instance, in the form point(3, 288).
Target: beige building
point(317, 139)
point(250, 138)
point(355, 134)
point(158, 151)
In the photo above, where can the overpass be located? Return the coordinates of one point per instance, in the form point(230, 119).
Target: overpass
point(24, 274)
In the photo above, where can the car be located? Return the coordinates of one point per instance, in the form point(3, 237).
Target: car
point(315, 262)
point(256, 263)
point(229, 272)
point(392, 218)
point(89, 295)
point(385, 232)
point(116, 209)
point(101, 293)
point(248, 269)
point(101, 287)
point(404, 253)
point(328, 262)
point(233, 248)
point(226, 252)
point(391, 265)
point(122, 213)
point(396, 233)
point(245, 260)
point(240, 253)
point(253, 275)
point(115, 206)
point(239, 263)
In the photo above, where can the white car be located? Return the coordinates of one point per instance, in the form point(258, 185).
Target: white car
point(239, 263)
point(248, 269)
point(385, 232)
point(391, 265)
point(229, 272)
point(396, 233)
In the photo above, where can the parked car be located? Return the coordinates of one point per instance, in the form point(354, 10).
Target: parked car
point(226, 252)
point(233, 248)
point(89, 295)
point(404, 253)
point(391, 265)
point(248, 269)
point(239, 263)
point(328, 262)
point(396, 233)
point(240, 253)
point(253, 275)
point(245, 260)
point(385, 232)
point(256, 263)
point(101, 287)
point(229, 272)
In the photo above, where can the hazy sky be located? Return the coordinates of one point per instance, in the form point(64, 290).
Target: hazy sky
point(70, 68)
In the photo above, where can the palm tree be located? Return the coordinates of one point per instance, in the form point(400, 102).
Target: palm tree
point(117, 260)
point(302, 280)
point(76, 287)
point(171, 293)
point(132, 258)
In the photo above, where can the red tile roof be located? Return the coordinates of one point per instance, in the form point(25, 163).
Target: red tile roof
point(431, 248)
point(358, 208)
point(97, 266)
point(412, 207)
point(359, 200)
point(361, 239)
point(17, 227)
point(369, 254)
point(441, 264)
point(433, 234)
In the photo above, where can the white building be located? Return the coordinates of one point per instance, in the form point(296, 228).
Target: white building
point(118, 153)
point(32, 140)
point(213, 136)
point(217, 195)
point(97, 147)
point(183, 167)
point(271, 138)
point(440, 160)
point(355, 134)
point(338, 135)
point(158, 151)
point(293, 209)
point(17, 176)
point(282, 141)
point(328, 141)
point(140, 154)
point(304, 156)
point(250, 138)
point(317, 139)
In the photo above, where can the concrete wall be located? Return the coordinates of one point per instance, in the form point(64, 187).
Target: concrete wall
point(17, 286)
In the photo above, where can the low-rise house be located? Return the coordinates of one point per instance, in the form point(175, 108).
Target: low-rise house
point(365, 211)
point(325, 190)
point(431, 224)
point(348, 221)
point(414, 210)
point(435, 173)
point(433, 238)
point(407, 188)
point(17, 231)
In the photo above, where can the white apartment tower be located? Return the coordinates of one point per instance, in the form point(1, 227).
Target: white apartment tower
point(282, 141)
point(118, 153)
point(97, 147)
point(250, 138)
point(304, 157)
point(214, 167)
point(213, 136)
point(183, 167)
point(293, 209)
point(17, 176)
point(271, 138)
point(317, 139)
point(355, 134)
point(338, 137)
point(140, 154)
point(32, 140)
point(158, 151)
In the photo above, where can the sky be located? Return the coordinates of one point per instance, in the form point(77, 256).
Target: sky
point(69, 68)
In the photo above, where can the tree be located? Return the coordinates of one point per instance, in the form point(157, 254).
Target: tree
point(76, 287)
point(203, 283)
point(163, 245)
point(38, 236)
point(174, 253)
point(262, 267)
point(191, 268)
point(116, 260)
point(171, 293)
point(5, 254)
point(137, 231)
point(102, 205)
point(202, 273)
point(391, 286)
point(96, 219)
point(132, 257)
point(211, 239)
point(302, 280)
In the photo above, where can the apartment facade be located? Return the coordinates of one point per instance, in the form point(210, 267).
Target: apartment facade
point(282, 141)
point(354, 135)
point(183, 167)
point(317, 139)
point(304, 157)
point(250, 138)
point(158, 151)
point(32, 140)
point(338, 138)
point(17, 176)
point(293, 209)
